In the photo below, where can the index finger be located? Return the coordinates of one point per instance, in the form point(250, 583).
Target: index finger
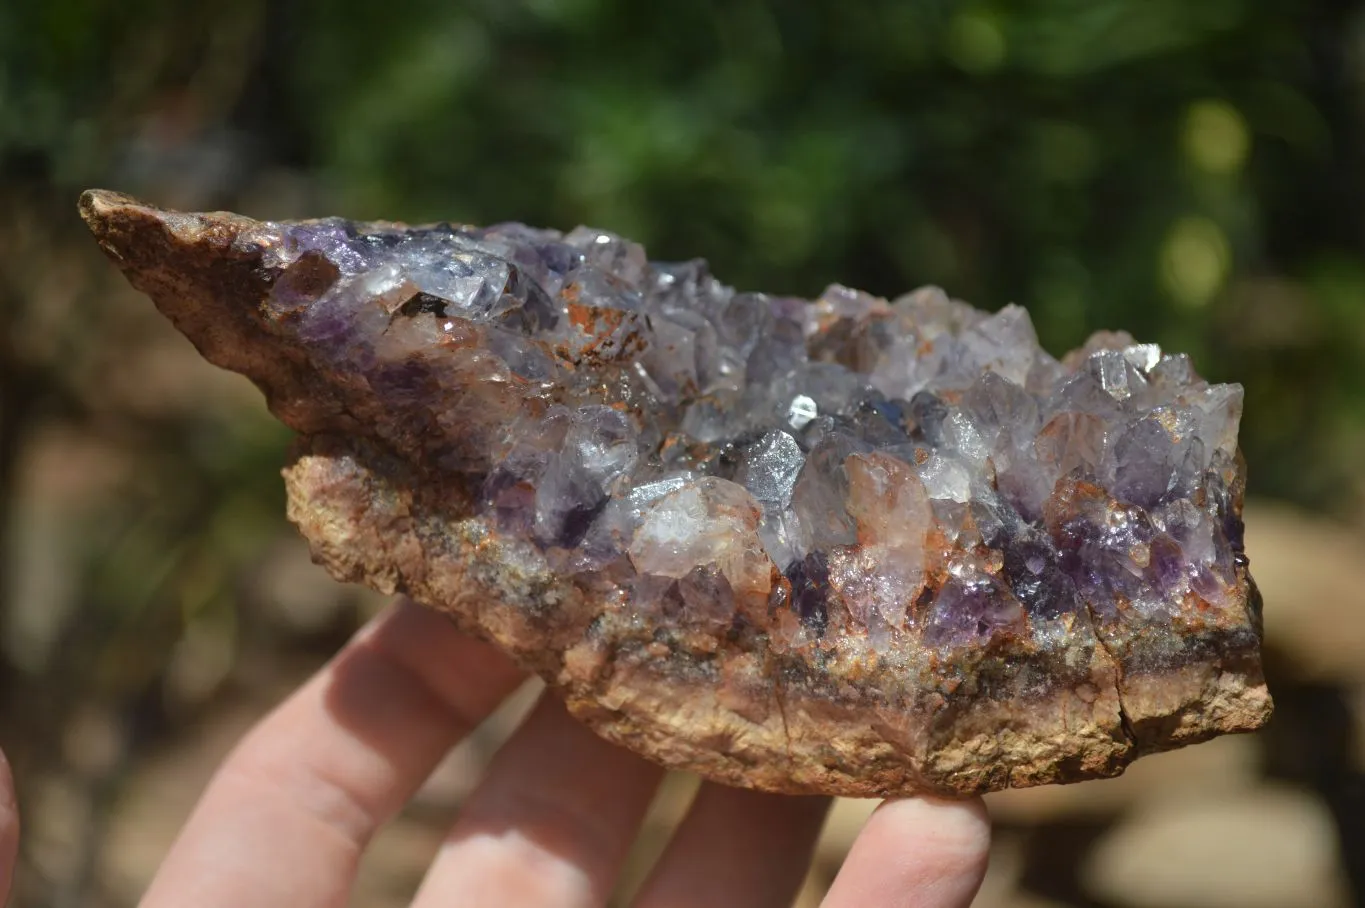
point(284, 821)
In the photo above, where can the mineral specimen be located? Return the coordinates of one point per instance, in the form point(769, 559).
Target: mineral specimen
point(847, 546)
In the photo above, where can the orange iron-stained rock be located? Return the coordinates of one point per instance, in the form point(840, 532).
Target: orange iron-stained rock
point(843, 546)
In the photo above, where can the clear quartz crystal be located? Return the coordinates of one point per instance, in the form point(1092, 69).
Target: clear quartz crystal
point(883, 468)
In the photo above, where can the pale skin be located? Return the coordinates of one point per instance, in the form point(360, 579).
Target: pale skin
point(289, 813)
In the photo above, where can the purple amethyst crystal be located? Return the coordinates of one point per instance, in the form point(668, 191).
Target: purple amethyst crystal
point(892, 505)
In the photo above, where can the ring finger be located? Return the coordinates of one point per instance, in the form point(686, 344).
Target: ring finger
point(737, 849)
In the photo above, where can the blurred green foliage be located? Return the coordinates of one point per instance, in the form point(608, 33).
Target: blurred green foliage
point(1193, 172)
point(1189, 171)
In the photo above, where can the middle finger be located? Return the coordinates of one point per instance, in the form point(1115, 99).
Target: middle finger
point(549, 825)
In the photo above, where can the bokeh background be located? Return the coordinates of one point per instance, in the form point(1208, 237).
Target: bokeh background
point(1193, 172)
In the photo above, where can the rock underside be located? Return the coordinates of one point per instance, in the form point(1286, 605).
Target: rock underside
point(846, 546)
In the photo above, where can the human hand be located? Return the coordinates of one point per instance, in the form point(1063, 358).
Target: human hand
point(9, 830)
point(288, 815)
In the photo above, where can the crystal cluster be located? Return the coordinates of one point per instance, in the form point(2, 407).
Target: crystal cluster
point(907, 494)
point(913, 467)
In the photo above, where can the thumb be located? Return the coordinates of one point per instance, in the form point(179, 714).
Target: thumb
point(9, 829)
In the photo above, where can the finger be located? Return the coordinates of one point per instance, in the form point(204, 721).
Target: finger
point(286, 817)
point(9, 829)
point(549, 825)
point(736, 848)
point(918, 852)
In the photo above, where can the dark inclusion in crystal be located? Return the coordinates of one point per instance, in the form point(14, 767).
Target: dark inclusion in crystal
point(849, 545)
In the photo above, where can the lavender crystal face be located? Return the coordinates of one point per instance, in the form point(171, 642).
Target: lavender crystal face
point(842, 545)
point(952, 480)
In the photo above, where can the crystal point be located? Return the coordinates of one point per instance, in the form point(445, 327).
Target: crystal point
point(843, 546)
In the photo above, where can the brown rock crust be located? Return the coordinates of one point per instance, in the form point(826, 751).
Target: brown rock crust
point(732, 703)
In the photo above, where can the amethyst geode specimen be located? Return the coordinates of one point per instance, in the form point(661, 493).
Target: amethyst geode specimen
point(847, 546)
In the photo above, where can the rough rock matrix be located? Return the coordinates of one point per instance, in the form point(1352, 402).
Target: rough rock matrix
point(847, 546)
